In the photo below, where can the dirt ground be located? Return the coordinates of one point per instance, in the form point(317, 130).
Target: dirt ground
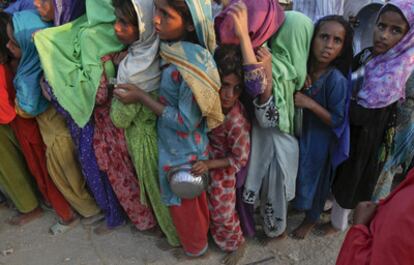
point(33, 245)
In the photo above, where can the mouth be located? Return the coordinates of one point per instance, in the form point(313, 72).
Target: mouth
point(157, 29)
point(326, 54)
point(381, 45)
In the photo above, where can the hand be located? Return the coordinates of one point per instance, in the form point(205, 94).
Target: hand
point(199, 168)
point(45, 91)
point(128, 93)
point(264, 56)
point(238, 12)
point(303, 101)
point(364, 212)
point(118, 57)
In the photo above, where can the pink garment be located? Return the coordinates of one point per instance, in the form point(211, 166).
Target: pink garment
point(389, 238)
point(386, 74)
point(230, 140)
point(113, 158)
point(265, 17)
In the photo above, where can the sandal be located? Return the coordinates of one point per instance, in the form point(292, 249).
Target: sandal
point(59, 228)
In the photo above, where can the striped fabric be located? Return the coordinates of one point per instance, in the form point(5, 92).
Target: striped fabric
point(316, 9)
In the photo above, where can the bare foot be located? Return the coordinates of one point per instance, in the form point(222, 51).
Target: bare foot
point(234, 257)
point(180, 255)
point(303, 230)
point(163, 245)
point(103, 229)
point(24, 218)
point(327, 229)
point(89, 221)
point(264, 240)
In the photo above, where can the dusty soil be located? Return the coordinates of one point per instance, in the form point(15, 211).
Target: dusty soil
point(33, 245)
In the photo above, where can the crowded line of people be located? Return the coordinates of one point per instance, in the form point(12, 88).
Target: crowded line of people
point(102, 101)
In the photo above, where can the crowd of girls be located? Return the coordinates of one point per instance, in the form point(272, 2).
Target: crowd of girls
point(101, 100)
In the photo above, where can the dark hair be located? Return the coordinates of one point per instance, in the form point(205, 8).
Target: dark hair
point(182, 8)
point(393, 8)
point(126, 10)
point(229, 60)
point(344, 61)
point(5, 19)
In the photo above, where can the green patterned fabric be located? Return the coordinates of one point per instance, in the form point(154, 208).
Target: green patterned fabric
point(141, 134)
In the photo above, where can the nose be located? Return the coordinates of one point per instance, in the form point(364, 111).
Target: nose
point(36, 3)
point(228, 93)
point(330, 43)
point(156, 18)
point(8, 45)
point(117, 27)
point(385, 34)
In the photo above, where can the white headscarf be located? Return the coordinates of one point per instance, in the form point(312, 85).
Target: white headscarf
point(141, 66)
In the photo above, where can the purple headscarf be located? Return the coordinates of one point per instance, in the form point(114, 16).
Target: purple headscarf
point(265, 18)
point(386, 74)
point(68, 10)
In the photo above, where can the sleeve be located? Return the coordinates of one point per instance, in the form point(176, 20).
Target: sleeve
point(255, 80)
point(337, 99)
point(357, 247)
point(122, 115)
point(187, 115)
point(266, 114)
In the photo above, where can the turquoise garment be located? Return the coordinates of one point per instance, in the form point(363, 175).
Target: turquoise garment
point(29, 71)
point(182, 131)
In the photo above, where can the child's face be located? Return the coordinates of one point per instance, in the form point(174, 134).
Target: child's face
point(126, 32)
point(168, 22)
point(230, 91)
point(12, 44)
point(390, 29)
point(328, 42)
point(45, 9)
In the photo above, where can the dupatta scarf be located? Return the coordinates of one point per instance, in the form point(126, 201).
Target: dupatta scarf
point(290, 49)
point(77, 48)
point(196, 63)
point(26, 82)
point(386, 74)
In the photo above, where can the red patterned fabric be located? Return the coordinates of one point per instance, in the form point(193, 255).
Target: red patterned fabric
point(230, 140)
point(112, 156)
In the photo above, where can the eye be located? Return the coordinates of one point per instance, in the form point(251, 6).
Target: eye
point(380, 26)
point(397, 30)
point(338, 40)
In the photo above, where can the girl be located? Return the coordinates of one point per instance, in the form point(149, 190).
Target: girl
point(273, 167)
point(15, 178)
point(90, 37)
point(30, 103)
point(61, 159)
point(379, 79)
point(325, 126)
point(141, 67)
point(188, 92)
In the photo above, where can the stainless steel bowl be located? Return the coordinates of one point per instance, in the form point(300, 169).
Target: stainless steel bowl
point(184, 184)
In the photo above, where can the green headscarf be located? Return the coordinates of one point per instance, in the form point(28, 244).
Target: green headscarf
point(290, 49)
point(71, 58)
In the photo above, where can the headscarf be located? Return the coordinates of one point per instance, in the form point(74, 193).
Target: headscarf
point(290, 49)
point(71, 58)
point(196, 63)
point(67, 10)
point(264, 19)
point(26, 82)
point(141, 66)
point(7, 112)
point(386, 74)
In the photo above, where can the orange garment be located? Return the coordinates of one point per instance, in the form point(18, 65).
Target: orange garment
point(191, 220)
point(388, 240)
point(28, 135)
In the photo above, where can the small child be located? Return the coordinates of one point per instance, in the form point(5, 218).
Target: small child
point(229, 153)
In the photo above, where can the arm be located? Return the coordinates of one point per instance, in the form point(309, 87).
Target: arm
point(303, 101)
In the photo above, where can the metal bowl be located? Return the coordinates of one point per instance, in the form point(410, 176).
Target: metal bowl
point(184, 184)
point(364, 33)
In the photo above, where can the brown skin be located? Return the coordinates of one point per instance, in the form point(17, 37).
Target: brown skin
point(24, 218)
point(45, 9)
point(126, 32)
point(391, 28)
point(168, 23)
point(364, 212)
point(326, 47)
